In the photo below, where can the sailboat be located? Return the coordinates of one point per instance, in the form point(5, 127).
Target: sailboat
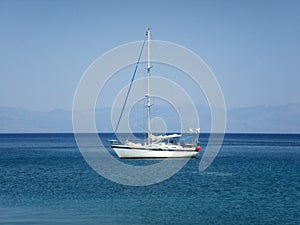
point(157, 146)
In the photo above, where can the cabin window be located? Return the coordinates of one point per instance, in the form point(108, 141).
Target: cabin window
point(173, 142)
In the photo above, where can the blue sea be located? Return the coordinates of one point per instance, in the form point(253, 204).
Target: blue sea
point(255, 179)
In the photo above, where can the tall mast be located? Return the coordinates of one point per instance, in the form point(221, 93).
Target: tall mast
point(148, 94)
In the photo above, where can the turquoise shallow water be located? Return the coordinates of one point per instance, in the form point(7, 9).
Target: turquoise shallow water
point(255, 179)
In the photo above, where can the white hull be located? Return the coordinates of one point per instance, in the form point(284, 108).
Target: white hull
point(150, 153)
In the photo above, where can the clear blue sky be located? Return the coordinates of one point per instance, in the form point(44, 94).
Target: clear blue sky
point(253, 47)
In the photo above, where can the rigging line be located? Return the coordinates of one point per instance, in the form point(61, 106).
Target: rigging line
point(133, 76)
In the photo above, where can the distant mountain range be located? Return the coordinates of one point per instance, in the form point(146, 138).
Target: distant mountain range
point(256, 119)
point(23, 121)
point(265, 119)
